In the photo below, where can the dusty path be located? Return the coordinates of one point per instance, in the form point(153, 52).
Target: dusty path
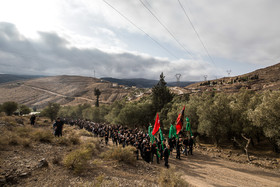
point(56, 94)
point(203, 170)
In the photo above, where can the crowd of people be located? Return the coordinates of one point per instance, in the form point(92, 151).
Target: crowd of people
point(146, 148)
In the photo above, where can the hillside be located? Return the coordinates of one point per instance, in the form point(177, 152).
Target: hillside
point(66, 90)
point(263, 79)
point(143, 83)
point(9, 77)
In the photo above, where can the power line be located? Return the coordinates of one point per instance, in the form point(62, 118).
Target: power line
point(140, 29)
point(165, 28)
point(185, 12)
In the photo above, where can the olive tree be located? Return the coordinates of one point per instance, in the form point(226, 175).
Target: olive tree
point(267, 116)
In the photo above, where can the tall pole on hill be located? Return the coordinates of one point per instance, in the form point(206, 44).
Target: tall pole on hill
point(93, 73)
point(178, 76)
point(229, 71)
point(205, 77)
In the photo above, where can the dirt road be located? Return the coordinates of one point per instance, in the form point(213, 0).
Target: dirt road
point(56, 94)
point(203, 170)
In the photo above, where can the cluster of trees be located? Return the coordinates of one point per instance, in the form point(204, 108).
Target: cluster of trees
point(10, 107)
point(223, 117)
point(218, 117)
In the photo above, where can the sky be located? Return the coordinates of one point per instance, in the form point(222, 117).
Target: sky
point(139, 38)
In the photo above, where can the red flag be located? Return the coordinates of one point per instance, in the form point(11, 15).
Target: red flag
point(179, 121)
point(156, 126)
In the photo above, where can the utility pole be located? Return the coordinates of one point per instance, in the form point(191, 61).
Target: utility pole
point(229, 71)
point(205, 77)
point(93, 72)
point(178, 76)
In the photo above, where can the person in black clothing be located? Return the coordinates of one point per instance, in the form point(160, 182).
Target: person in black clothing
point(147, 152)
point(191, 143)
point(178, 148)
point(58, 126)
point(154, 151)
point(106, 137)
point(32, 120)
point(186, 143)
point(172, 144)
point(162, 149)
point(166, 154)
point(136, 145)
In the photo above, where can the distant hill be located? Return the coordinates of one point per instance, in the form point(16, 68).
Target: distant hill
point(262, 79)
point(9, 77)
point(65, 90)
point(143, 83)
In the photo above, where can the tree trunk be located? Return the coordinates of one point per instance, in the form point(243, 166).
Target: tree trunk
point(246, 147)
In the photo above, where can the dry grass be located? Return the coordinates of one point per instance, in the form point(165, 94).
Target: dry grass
point(169, 178)
point(100, 181)
point(13, 134)
point(126, 155)
point(78, 159)
point(42, 135)
point(84, 132)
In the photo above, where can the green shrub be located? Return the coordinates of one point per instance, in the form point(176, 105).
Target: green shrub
point(120, 154)
point(9, 107)
point(169, 178)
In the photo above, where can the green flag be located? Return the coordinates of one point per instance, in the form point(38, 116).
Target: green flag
point(172, 132)
point(188, 126)
point(161, 138)
point(152, 138)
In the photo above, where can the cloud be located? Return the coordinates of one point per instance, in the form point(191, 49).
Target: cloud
point(50, 54)
point(242, 31)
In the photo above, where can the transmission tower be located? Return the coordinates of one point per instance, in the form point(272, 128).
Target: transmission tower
point(93, 72)
point(205, 77)
point(228, 72)
point(178, 76)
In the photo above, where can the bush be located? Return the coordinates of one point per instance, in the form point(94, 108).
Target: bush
point(26, 142)
point(63, 141)
point(51, 111)
point(120, 154)
point(23, 131)
point(23, 109)
point(9, 107)
point(74, 139)
point(42, 136)
point(3, 141)
point(68, 140)
point(77, 160)
point(14, 139)
point(84, 132)
point(169, 178)
point(14, 136)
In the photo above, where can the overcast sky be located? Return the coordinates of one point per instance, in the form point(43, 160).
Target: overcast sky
point(138, 38)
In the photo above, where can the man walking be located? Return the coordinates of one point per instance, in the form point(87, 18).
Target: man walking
point(58, 126)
